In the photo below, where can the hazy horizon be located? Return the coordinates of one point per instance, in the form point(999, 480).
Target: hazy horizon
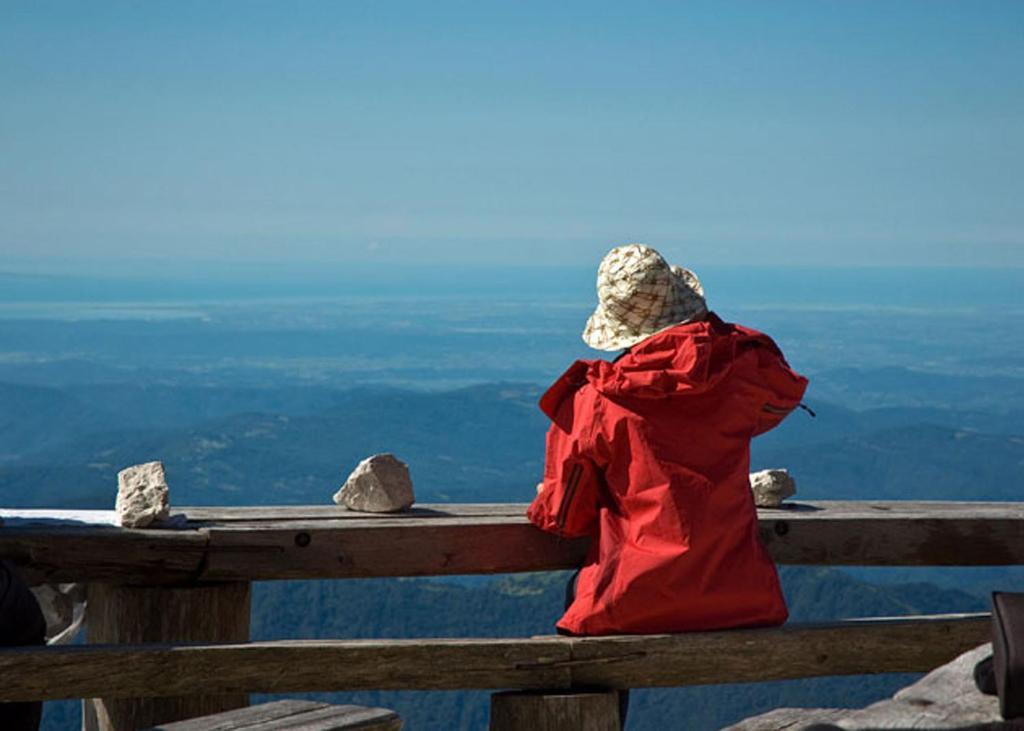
point(953, 289)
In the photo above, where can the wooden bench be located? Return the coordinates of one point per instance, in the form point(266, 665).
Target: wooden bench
point(169, 610)
point(911, 644)
point(293, 715)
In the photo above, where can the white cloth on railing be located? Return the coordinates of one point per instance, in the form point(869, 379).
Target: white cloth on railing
point(49, 516)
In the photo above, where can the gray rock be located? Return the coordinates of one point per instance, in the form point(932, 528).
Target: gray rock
point(771, 487)
point(142, 495)
point(379, 484)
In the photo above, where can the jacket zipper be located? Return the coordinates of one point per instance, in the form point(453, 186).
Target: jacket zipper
point(570, 493)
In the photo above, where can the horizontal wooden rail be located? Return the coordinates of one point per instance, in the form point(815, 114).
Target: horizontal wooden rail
point(793, 651)
point(288, 542)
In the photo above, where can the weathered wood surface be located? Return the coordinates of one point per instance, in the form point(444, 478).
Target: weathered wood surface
point(526, 711)
point(60, 554)
point(875, 533)
point(387, 548)
point(791, 719)
point(295, 542)
point(133, 615)
point(853, 647)
point(294, 715)
point(792, 651)
point(946, 698)
point(285, 666)
point(224, 515)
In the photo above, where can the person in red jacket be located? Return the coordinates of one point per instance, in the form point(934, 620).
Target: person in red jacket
point(650, 455)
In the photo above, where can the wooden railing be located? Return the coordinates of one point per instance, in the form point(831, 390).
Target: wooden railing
point(169, 609)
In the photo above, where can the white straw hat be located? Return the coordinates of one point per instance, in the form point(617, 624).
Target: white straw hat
point(640, 294)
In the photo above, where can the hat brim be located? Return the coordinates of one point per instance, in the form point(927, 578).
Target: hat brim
point(604, 332)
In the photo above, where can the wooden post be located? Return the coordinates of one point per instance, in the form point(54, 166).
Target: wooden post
point(539, 711)
point(127, 614)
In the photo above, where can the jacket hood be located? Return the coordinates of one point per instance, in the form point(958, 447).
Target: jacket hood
point(687, 359)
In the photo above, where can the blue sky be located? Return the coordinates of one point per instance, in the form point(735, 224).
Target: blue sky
point(817, 133)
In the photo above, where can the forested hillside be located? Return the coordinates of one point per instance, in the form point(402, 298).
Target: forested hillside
point(482, 443)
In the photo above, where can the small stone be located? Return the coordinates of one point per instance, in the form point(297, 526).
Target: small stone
point(142, 495)
point(771, 487)
point(379, 484)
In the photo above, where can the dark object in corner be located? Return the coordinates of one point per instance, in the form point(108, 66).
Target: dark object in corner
point(21, 623)
point(1008, 651)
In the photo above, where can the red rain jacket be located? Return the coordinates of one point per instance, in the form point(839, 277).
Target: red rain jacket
point(650, 455)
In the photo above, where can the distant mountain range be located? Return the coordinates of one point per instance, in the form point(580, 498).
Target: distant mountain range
point(64, 446)
point(893, 387)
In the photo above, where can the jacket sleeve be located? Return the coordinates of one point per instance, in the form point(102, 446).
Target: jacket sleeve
point(568, 503)
point(779, 387)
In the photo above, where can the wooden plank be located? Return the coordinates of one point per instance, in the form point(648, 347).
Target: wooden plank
point(293, 715)
point(485, 539)
point(286, 666)
point(795, 510)
point(794, 651)
point(244, 718)
point(876, 534)
point(791, 719)
point(853, 647)
point(896, 533)
point(339, 718)
point(894, 509)
point(388, 549)
point(69, 554)
point(122, 614)
point(534, 711)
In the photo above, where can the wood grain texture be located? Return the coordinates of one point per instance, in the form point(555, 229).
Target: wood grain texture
point(133, 615)
point(852, 647)
point(791, 719)
point(792, 651)
point(310, 542)
point(469, 539)
point(519, 711)
point(945, 698)
point(285, 666)
point(380, 548)
point(61, 554)
point(895, 533)
point(295, 715)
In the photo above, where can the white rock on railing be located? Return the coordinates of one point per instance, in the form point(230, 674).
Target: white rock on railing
point(379, 484)
point(142, 495)
point(771, 487)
